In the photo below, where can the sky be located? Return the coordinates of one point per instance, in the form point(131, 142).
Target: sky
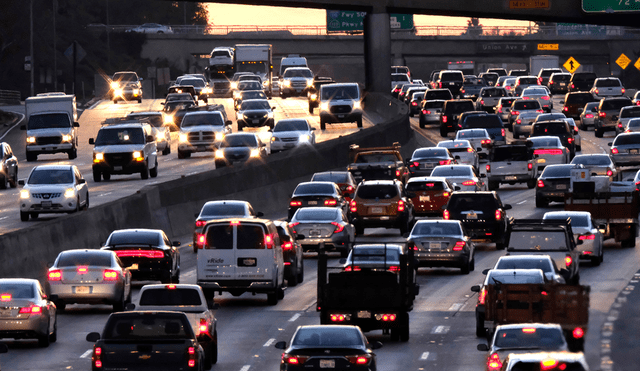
point(234, 14)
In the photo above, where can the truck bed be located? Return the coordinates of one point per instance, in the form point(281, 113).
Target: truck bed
point(605, 206)
point(358, 290)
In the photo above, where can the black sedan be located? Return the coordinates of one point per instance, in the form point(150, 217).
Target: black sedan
point(240, 147)
point(425, 159)
point(316, 194)
point(255, 113)
point(328, 347)
point(148, 253)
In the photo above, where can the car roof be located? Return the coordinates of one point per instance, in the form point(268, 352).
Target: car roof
point(378, 182)
point(541, 356)
point(427, 179)
point(18, 280)
point(227, 202)
point(135, 230)
point(522, 325)
point(567, 213)
point(53, 167)
point(176, 285)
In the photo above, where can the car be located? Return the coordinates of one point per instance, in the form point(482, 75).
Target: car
point(488, 98)
point(403, 93)
point(547, 361)
point(464, 150)
point(409, 95)
point(599, 164)
point(577, 138)
point(636, 99)
point(423, 160)
point(255, 113)
point(125, 85)
point(559, 82)
point(632, 126)
point(438, 94)
point(541, 95)
point(550, 116)
point(554, 183)
point(585, 230)
point(500, 82)
point(451, 111)
point(510, 163)
point(314, 90)
point(588, 115)
point(213, 210)
point(147, 253)
point(523, 122)
point(430, 110)
point(124, 146)
point(517, 73)
point(181, 89)
point(150, 28)
point(295, 81)
point(27, 312)
point(429, 194)
point(381, 203)
point(316, 193)
point(160, 131)
point(559, 128)
point(523, 82)
point(323, 225)
point(247, 85)
point(343, 179)
point(478, 138)
point(608, 112)
point(374, 257)
point(202, 131)
point(582, 81)
point(401, 69)
point(499, 70)
point(53, 189)
point(465, 177)
point(510, 85)
point(414, 102)
point(528, 276)
point(489, 77)
point(291, 253)
point(483, 120)
point(574, 101)
point(503, 108)
point(545, 73)
point(548, 150)
point(452, 80)
point(483, 215)
point(83, 276)
point(246, 95)
point(399, 79)
point(240, 147)
point(471, 87)
point(317, 347)
point(626, 114)
point(533, 261)
point(290, 133)
point(625, 149)
point(522, 338)
point(202, 88)
point(395, 89)
point(172, 97)
point(443, 243)
point(8, 167)
point(607, 87)
point(340, 103)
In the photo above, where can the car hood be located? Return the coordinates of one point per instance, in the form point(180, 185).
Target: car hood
point(48, 188)
point(119, 148)
point(214, 128)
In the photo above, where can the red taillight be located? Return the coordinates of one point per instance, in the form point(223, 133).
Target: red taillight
point(602, 114)
point(587, 237)
point(339, 227)
point(171, 287)
point(200, 223)
point(200, 241)
point(446, 215)
point(545, 97)
point(330, 202)
point(638, 103)
point(293, 224)
point(486, 141)
point(398, 173)
point(445, 162)
point(109, 275)
point(349, 189)
point(55, 275)
point(488, 167)
point(338, 317)
point(34, 309)
point(295, 203)
point(5, 297)
point(614, 151)
point(540, 184)
point(551, 82)
point(588, 115)
point(140, 253)
point(82, 269)
point(469, 182)
point(445, 194)
point(609, 172)
point(424, 112)
point(620, 125)
point(498, 214)
point(428, 112)
point(518, 121)
point(570, 140)
point(287, 246)
point(444, 118)
point(98, 363)
point(573, 86)
point(500, 110)
point(192, 363)
point(622, 90)
point(550, 364)
point(414, 103)
point(530, 166)
point(482, 101)
point(234, 222)
point(352, 268)
point(525, 98)
point(482, 295)
point(268, 241)
point(539, 80)
point(578, 333)
point(515, 113)
point(359, 360)
point(494, 362)
point(353, 206)
point(567, 260)
point(565, 109)
point(388, 317)
point(555, 151)
point(400, 205)
point(97, 351)
point(204, 326)
point(394, 268)
point(191, 350)
point(539, 111)
point(414, 164)
point(440, 85)
point(575, 128)
point(529, 330)
point(458, 246)
point(469, 149)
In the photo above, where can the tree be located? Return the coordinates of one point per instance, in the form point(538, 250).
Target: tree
point(474, 28)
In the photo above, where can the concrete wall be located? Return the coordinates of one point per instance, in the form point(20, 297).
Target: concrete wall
point(171, 206)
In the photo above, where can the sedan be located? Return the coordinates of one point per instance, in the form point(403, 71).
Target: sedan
point(585, 230)
point(577, 138)
point(443, 243)
point(625, 149)
point(503, 108)
point(554, 183)
point(247, 95)
point(632, 126)
point(148, 253)
point(463, 176)
point(534, 261)
point(290, 133)
point(8, 167)
point(323, 347)
point(430, 112)
point(463, 151)
point(374, 257)
point(240, 147)
point(344, 180)
point(213, 210)
point(522, 124)
point(316, 194)
point(255, 113)
point(425, 159)
point(626, 114)
point(26, 311)
point(599, 164)
point(479, 139)
point(429, 194)
point(588, 115)
point(89, 277)
point(548, 150)
point(541, 95)
point(151, 28)
point(323, 225)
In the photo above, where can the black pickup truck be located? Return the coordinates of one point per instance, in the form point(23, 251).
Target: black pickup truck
point(158, 340)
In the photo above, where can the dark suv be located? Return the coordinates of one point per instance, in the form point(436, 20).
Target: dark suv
point(451, 111)
point(482, 214)
point(574, 101)
point(559, 82)
point(483, 120)
point(451, 80)
point(582, 81)
point(444, 94)
point(545, 73)
point(556, 128)
point(608, 112)
point(381, 203)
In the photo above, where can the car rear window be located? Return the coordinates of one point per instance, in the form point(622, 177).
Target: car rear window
point(525, 263)
point(576, 220)
point(550, 128)
point(436, 229)
point(156, 326)
point(538, 338)
point(134, 238)
point(545, 142)
point(579, 98)
point(452, 107)
point(494, 93)
point(18, 290)
point(630, 112)
point(223, 210)
point(614, 104)
point(507, 102)
point(626, 139)
point(434, 103)
point(528, 104)
point(373, 254)
point(173, 297)
point(592, 160)
point(562, 77)
point(451, 76)
point(509, 277)
point(509, 153)
point(116, 136)
point(76, 258)
point(426, 186)
point(330, 177)
point(538, 241)
point(556, 171)
point(320, 214)
point(447, 172)
point(313, 188)
point(608, 83)
point(327, 336)
point(444, 94)
point(528, 81)
point(376, 157)
point(475, 202)
point(378, 191)
point(220, 237)
point(430, 152)
point(586, 76)
point(482, 121)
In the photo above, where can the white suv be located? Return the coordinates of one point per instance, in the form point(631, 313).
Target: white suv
point(340, 103)
point(53, 189)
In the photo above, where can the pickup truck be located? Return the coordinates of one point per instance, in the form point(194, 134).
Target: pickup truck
point(161, 340)
point(511, 163)
point(190, 300)
point(377, 163)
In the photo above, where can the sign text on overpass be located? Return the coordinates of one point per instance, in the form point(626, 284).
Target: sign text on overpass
point(610, 6)
point(352, 21)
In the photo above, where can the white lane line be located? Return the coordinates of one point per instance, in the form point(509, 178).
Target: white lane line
point(295, 317)
point(521, 202)
point(245, 368)
point(440, 330)
point(86, 354)
point(11, 128)
point(104, 194)
point(269, 342)
point(4, 217)
point(456, 307)
point(424, 356)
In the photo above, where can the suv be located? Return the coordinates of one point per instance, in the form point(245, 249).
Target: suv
point(482, 214)
point(443, 94)
point(451, 80)
point(545, 73)
point(241, 255)
point(575, 101)
point(377, 163)
point(488, 98)
point(582, 81)
point(556, 128)
point(559, 82)
point(608, 112)
point(202, 131)
point(125, 86)
point(295, 81)
point(381, 203)
point(511, 164)
point(483, 120)
point(124, 146)
point(607, 87)
point(314, 89)
point(451, 112)
point(523, 82)
point(340, 103)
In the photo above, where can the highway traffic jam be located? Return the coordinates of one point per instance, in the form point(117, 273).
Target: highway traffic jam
point(486, 248)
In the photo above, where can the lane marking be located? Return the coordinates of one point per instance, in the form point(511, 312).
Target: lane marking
point(521, 202)
point(456, 307)
point(424, 356)
point(11, 128)
point(4, 217)
point(245, 368)
point(440, 330)
point(295, 317)
point(269, 342)
point(104, 194)
point(87, 353)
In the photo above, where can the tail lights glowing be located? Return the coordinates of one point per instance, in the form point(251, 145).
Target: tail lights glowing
point(330, 202)
point(469, 149)
point(268, 241)
point(204, 326)
point(97, 355)
point(191, 351)
point(549, 364)
point(295, 203)
point(140, 253)
point(400, 206)
point(414, 164)
point(294, 360)
point(482, 296)
point(565, 109)
point(578, 333)
point(414, 104)
point(425, 112)
point(394, 269)
point(488, 167)
point(614, 151)
point(498, 214)
point(494, 363)
point(171, 287)
point(515, 113)
point(200, 223)
point(602, 114)
point(486, 141)
point(445, 162)
point(359, 360)
point(589, 116)
point(529, 330)
point(446, 215)
point(352, 268)
point(339, 227)
point(530, 166)
point(540, 184)
point(469, 182)
point(567, 260)
point(398, 173)
point(552, 151)
point(5, 297)
point(109, 275)
point(386, 317)
point(458, 246)
point(200, 240)
point(353, 206)
point(287, 246)
point(55, 275)
point(34, 309)
point(83, 269)
point(336, 317)
point(609, 172)
point(545, 97)
point(444, 119)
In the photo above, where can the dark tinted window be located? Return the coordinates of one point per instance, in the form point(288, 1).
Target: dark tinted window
point(376, 157)
point(436, 229)
point(528, 81)
point(614, 104)
point(76, 258)
point(134, 238)
point(116, 136)
point(249, 85)
point(544, 142)
point(592, 160)
point(526, 104)
point(314, 188)
point(494, 93)
point(320, 214)
point(538, 241)
point(444, 94)
point(213, 119)
point(300, 125)
point(220, 237)
point(548, 72)
point(430, 152)
point(173, 297)
point(626, 139)
point(155, 120)
point(252, 94)
point(541, 338)
point(426, 186)
point(18, 290)
point(340, 92)
point(255, 105)
point(451, 76)
point(297, 73)
point(580, 98)
point(445, 171)
point(507, 102)
point(561, 78)
point(576, 220)
point(608, 83)
point(475, 202)
point(239, 141)
point(330, 177)
point(434, 104)
point(630, 112)
point(223, 210)
point(49, 120)
point(371, 192)
point(512, 153)
point(154, 326)
point(125, 77)
point(550, 128)
point(453, 107)
point(51, 176)
point(482, 122)
point(556, 171)
point(584, 76)
point(328, 337)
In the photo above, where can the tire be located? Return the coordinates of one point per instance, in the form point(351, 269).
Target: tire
point(272, 298)
point(531, 184)
point(472, 266)
point(219, 164)
point(311, 110)
point(44, 340)
point(598, 132)
point(404, 330)
point(540, 202)
point(301, 273)
point(516, 136)
point(292, 278)
point(4, 182)
point(140, 101)
point(240, 127)
point(144, 173)
point(359, 229)
point(14, 181)
point(181, 155)
point(579, 148)
point(154, 172)
point(500, 245)
point(54, 336)
point(167, 150)
point(119, 306)
point(32, 157)
point(422, 125)
point(359, 122)
point(323, 124)
point(106, 175)
point(480, 330)
point(596, 260)
point(466, 267)
point(73, 154)
point(60, 305)
point(77, 205)
point(629, 242)
point(395, 334)
point(443, 132)
point(115, 101)
point(345, 252)
point(24, 216)
point(214, 348)
point(96, 176)
point(411, 114)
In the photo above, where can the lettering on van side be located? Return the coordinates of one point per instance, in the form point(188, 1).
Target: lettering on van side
point(215, 261)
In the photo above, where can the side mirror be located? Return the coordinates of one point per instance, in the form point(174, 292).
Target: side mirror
point(175, 243)
point(196, 215)
point(561, 102)
point(92, 337)
point(376, 345)
point(456, 157)
point(162, 103)
point(150, 138)
point(486, 271)
point(272, 108)
point(475, 288)
point(483, 347)
point(23, 127)
point(130, 306)
point(281, 345)
point(610, 144)
point(508, 207)
point(312, 128)
point(21, 182)
point(76, 124)
point(92, 141)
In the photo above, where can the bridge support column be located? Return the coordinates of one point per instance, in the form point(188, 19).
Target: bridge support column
point(377, 52)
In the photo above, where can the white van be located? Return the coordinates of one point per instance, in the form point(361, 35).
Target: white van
point(292, 60)
point(241, 255)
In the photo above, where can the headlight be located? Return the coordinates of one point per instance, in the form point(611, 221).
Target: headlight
point(219, 137)
point(66, 138)
point(114, 84)
point(219, 153)
point(136, 91)
point(287, 83)
point(304, 138)
point(324, 106)
point(234, 85)
point(357, 105)
point(137, 155)
point(117, 92)
point(97, 157)
point(168, 119)
point(314, 96)
point(31, 139)
point(309, 83)
point(236, 94)
point(269, 114)
point(207, 91)
point(255, 152)
point(265, 83)
point(183, 137)
point(274, 139)
point(70, 193)
point(160, 136)
point(24, 194)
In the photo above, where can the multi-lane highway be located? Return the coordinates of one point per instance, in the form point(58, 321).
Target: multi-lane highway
point(442, 322)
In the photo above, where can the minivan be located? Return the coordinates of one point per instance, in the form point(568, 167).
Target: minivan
point(241, 255)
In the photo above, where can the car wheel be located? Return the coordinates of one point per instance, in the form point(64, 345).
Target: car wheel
point(4, 182)
point(167, 150)
point(31, 157)
point(73, 154)
point(443, 132)
point(359, 229)
point(540, 202)
point(466, 267)
point(493, 185)
point(214, 348)
point(106, 175)
point(240, 127)
point(472, 266)
point(44, 340)
point(14, 181)
point(292, 277)
point(154, 172)
point(96, 176)
point(480, 330)
point(516, 136)
point(60, 305)
point(531, 183)
point(422, 125)
point(181, 155)
point(54, 335)
point(301, 272)
point(323, 124)
point(596, 260)
point(34, 215)
point(311, 110)
point(499, 245)
point(272, 298)
point(404, 330)
point(144, 173)
point(219, 164)
point(598, 132)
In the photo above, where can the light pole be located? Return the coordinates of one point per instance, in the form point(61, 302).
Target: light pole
point(33, 91)
point(55, 54)
point(108, 43)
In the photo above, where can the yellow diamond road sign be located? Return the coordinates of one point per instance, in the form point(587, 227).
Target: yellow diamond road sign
point(623, 61)
point(637, 64)
point(571, 65)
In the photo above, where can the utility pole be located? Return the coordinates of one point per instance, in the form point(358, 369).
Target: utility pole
point(33, 90)
point(108, 43)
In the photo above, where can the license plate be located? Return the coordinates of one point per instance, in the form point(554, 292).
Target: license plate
point(510, 177)
point(46, 203)
point(5, 312)
point(425, 198)
point(327, 363)
point(117, 168)
point(364, 314)
point(633, 151)
point(376, 210)
point(83, 289)
point(133, 266)
point(434, 245)
point(472, 216)
point(255, 121)
point(541, 160)
point(341, 116)
point(314, 232)
point(563, 84)
point(312, 203)
point(561, 186)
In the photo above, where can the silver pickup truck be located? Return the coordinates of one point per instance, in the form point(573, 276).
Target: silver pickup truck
point(511, 163)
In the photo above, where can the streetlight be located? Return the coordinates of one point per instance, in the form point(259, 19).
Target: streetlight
point(55, 55)
point(33, 92)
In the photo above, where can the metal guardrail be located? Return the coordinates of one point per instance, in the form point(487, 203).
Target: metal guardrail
point(10, 96)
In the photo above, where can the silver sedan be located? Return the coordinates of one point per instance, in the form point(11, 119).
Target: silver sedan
point(443, 243)
point(290, 133)
point(588, 115)
point(585, 230)
point(89, 277)
point(548, 150)
point(323, 225)
point(463, 176)
point(625, 149)
point(26, 312)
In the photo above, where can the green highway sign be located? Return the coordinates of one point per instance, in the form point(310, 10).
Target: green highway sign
point(352, 21)
point(610, 6)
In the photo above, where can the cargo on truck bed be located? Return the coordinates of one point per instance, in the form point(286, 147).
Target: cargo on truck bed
point(377, 163)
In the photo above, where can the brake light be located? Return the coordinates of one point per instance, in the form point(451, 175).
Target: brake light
point(567, 260)
point(109, 275)
point(494, 362)
point(575, 128)
point(339, 227)
point(394, 268)
point(200, 241)
point(446, 215)
point(414, 103)
point(204, 326)
point(570, 140)
point(469, 149)
point(638, 103)
point(445, 194)
point(540, 184)
point(530, 166)
point(515, 113)
point(482, 101)
point(191, 350)
point(539, 111)
point(287, 246)
point(623, 90)
point(34, 309)
point(171, 287)
point(551, 82)
point(440, 84)
point(555, 151)
point(482, 295)
point(349, 189)
point(469, 182)
point(398, 173)
point(462, 91)
point(268, 241)
point(545, 97)
point(353, 206)
point(565, 109)
point(200, 223)
point(498, 214)
point(330, 202)
point(234, 222)
point(5, 297)
point(415, 164)
point(589, 116)
point(587, 237)
point(620, 125)
point(539, 80)
point(529, 330)
point(388, 317)
point(518, 121)
point(295, 203)
point(614, 151)
point(359, 360)
point(445, 162)
point(573, 86)
point(192, 363)
point(98, 363)
point(400, 205)
point(500, 110)
point(458, 246)
point(548, 364)
point(425, 112)
point(578, 333)
point(609, 172)
point(486, 141)
point(602, 114)
point(55, 275)
point(97, 353)
point(293, 360)
point(338, 318)
point(502, 132)
point(352, 268)
point(444, 118)
point(488, 167)
point(525, 98)
point(140, 253)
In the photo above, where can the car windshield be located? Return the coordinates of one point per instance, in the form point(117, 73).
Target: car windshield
point(545, 142)
point(436, 229)
point(317, 214)
point(51, 176)
point(151, 326)
point(415, 186)
point(90, 257)
point(534, 338)
point(239, 141)
point(115, 136)
point(49, 120)
point(538, 241)
point(493, 93)
point(434, 103)
point(192, 82)
point(255, 105)
point(298, 125)
point(314, 188)
point(178, 105)
point(339, 92)
point(430, 152)
point(328, 337)
point(170, 296)
point(514, 262)
point(223, 210)
point(249, 85)
point(200, 119)
point(134, 238)
point(124, 77)
point(289, 72)
point(454, 172)
point(365, 158)
point(248, 236)
point(253, 94)
point(592, 160)
point(528, 81)
point(534, 91)
point(378, 191)
point(179, 96)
